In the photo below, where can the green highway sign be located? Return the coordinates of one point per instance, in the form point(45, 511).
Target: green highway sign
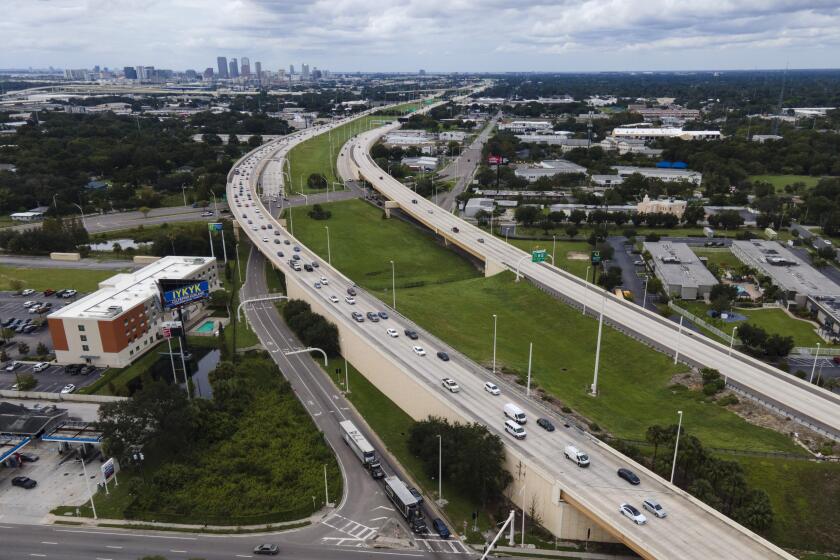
point(214, 226)
point(596, 257)
point(538, 255)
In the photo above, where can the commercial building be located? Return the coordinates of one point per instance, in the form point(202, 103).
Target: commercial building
point(525, 126)
point(425, 163)
point(682, 273)
point(549, 168)
point(222, 65)
point(629, 146)
point(798, 279)
point(663, 174)
point(233, 68)
point(31, 216)
point(476, 205)
point(662, 206)
point(648, 134)
point(121, 321)
point(452, 135)
point(246, 67)
point(660, 113)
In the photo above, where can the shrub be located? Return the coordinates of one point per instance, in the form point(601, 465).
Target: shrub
point(728, 400)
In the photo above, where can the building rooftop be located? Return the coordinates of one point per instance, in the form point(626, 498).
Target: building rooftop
point(677, 264)
point(787, 270)
point(126, 290)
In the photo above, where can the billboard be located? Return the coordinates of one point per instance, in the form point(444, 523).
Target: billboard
point(494, 160)
point(170, 329)
point(108, 469)
point(175, 293)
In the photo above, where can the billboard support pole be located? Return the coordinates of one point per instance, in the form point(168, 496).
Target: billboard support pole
point(210, 235)
point(172, 360)
point(224, 249)
point(182, 340)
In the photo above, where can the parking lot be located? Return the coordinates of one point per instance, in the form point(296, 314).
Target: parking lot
point(50, 380)
point(12, 307)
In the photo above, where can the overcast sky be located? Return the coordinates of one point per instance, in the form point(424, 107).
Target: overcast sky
point(438, 35)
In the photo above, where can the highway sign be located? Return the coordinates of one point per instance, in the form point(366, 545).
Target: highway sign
point(215, 226)
point(596, 257)
point(538, 255)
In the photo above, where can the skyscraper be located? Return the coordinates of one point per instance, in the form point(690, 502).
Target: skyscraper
point(130, 73)
point(291, 69)
point(258, 70)
point(233, 68)
point(246, 67)
point(221, 62)
point(304, 71)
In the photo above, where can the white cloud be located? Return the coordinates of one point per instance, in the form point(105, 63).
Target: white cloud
point(435, 34)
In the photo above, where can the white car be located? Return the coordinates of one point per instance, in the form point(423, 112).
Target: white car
point(324, 281)
point(350, 300)
point(69, 388)
point(27, 292)
point(334, 298)
point(392, 333)
point(40, 366)
point(419, 350)
point(206, 214)
point(654, 507)
point(29, 303)
point(492, 388)
point(265, 239)
point(449, 383)
point(630, 512)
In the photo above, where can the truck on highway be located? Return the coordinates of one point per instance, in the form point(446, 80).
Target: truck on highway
point(406, 503)
point(361, 448)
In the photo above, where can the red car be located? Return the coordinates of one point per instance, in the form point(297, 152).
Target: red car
point(49, 292)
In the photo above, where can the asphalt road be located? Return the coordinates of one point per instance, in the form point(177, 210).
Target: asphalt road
point(46, 262)
point(99, 223)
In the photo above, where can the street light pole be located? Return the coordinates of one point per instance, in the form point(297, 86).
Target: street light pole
point(394, 284)
point(676, 446)
point(679, 338)
point(440, 469)
point(813, 367)
point(553, 250)
point(495, 321)
point(598, 348)
point(732, 340)
point(87, 485)
point(644, 299)
point(586, 279)
point(530, 355)
point(329, 255)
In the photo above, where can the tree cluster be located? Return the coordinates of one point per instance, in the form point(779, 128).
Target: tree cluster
point(312, 329)
point(319, 213)
point(55, 235)
point(474, 458)
point(757, 341)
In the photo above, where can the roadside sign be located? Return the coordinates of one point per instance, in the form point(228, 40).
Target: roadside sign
point(538, 255)
point(170, 329)
point(494, 160)
point(108, 469)
point(596, 257)
point(215, 226)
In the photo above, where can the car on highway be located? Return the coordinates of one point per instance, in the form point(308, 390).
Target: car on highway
point(419, 350)
point(280, 254)
point(411, 334)
point(297, 249)
point(265, 239)
point(40, 366)
point(27, 292)
point(654, 507)
point(333, 298)
point(351, 292)
point(317, 285)
point(207, 214)
point(24, 482)
point(324, 281)
point(440, 528)
point(576, 456)
point(267, 549)
point(443, 356)
point(382, 315)
point(450, 384)
point(315, 264)
point(69, 388)
point(545, 424)
point(629, 476)
point(481, 240)
point(277, 242)
point(492, 388)
point(392, 333)
point(358, 317)
point(515, 429)
point(632, 513)
point(350, 300)
point(308, 267)
point(374, 318)
point(639, 263)
point(286, 242)
point(13, 366)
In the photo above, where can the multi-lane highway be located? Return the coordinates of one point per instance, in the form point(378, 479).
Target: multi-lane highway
point(818, 408)
point(692, 529)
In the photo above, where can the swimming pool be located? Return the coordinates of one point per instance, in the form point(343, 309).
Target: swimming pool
point(207, 327)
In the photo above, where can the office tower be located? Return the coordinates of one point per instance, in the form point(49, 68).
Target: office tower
point(246, 67)
point(96, 69)
point(130, 73)
point(258, 70)
point(208, 73)
point(221, 62)
point(233, 68)
point(304, 71)
point(139, 70)
point(291, 69)
point(148, 72)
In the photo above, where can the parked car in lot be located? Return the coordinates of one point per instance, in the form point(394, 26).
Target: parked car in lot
point(28, 457)
point(49, 292)
point(492, 388)
point(440, 528)
point(40, 366)
point(69, 388)
point(13, 366)
point(629, 476)
point(29, 303)
point(267, 549)
point(24, 482)
point(27, 292)
point(631, 512)
point(69, 293)
point(654, 507)
point(545, 424)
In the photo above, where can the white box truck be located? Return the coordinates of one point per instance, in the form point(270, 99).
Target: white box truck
point(574, 454)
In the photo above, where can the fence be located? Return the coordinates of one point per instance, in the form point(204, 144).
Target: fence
point(699, 322)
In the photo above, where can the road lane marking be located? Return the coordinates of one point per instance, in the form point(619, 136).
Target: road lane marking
point(48, 542)
point(380, 552)
point(37, 555)
point(113, 546)
point(379, 518)
point(178, 551)
point(244, 556)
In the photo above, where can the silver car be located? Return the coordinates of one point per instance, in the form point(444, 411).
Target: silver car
point(654, 507)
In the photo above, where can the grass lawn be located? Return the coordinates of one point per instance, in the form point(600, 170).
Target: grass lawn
point(774, 321)
point(144, 233)
point(804, 496)
point(81, 279)
point(634, 380)
point(362, 243)
point(391, 424)
point(724, 259)
point(563, 251)
point(780, 181)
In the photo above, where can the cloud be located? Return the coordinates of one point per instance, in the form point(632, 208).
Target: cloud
point(407, 34)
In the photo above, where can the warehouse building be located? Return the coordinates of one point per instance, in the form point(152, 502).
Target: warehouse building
point(549, 168)
point(682, 273)
point(798, 279)
point(649, 134)
point(121, 321)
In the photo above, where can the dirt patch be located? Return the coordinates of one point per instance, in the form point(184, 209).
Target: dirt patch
point(758, 415)
point(690, 379)
point(577, 256)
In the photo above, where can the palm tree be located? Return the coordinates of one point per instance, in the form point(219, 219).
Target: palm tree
point(656, 435)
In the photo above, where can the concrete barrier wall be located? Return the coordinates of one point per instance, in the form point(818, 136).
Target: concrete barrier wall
point(70, 397)
point(66, 256)
point(145, 259)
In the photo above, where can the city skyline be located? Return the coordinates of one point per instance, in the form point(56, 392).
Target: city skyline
point(577, 35)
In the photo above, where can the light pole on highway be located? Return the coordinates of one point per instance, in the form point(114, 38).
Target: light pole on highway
point(598, 347)
point(644, 299)
point(495, 322)
point(82, 212)
point(440, 470)
point(732, 340)
point(679, 338)
point(676, 446)
point(329, 255)
point(585, 279)
point(238, 268)
point(216, 204)
point(553, 249)
point(184, 193)
point(813, 367)
point(394, 284)
point(530, 356)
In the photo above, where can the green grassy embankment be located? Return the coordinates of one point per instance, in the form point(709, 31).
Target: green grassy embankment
point(81, 279)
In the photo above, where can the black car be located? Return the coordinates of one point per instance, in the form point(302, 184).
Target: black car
point(72, 369)
point(376, 471)
point(85, 370)
point(315, 264)
point(351, 292)
point(545, 424)
point(372, 317)
point(629, 476)
point(267, 549)
point(28, 457)
point(24, 482)
point(411, 334)
point(383, 315)
point(443, 356)
point(287, 242)
point(280, 254)
point(59, 293)
point(308, 268)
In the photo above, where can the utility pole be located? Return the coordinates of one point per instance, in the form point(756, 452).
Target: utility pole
point(676, 446)
point(530, 355)
point(598, 348)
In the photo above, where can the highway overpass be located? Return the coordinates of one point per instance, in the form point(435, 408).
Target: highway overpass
point(572, 502)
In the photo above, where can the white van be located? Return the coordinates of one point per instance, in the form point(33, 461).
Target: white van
point(574, 454)
point(515, 429)
point(515, 413)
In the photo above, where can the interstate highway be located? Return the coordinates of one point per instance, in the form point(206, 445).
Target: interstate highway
point(692, 530)
point(816, 407)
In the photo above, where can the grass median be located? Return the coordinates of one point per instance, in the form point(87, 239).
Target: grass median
point(81, 279)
